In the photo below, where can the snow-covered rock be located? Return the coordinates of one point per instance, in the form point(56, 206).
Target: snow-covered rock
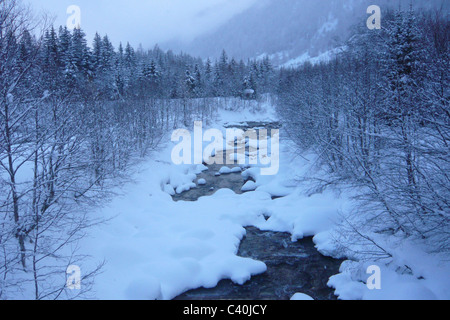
point(225, 170)
point(301, 297)
point(249, 186)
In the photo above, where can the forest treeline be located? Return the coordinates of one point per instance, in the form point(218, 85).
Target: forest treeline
point(378, 119)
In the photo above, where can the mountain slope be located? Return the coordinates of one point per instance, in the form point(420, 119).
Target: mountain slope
point(286, 29)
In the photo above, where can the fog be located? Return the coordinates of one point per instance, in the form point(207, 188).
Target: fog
point(146, 22)
point(288, 29)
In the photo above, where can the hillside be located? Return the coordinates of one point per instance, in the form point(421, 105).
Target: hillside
point(286, 29)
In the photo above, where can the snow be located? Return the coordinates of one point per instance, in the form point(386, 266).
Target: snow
point(182, 179)
point(182, 245)
point(306, 58)
point(169, 246)
point(144, 289)
point(225, 170)
point(394, 286)
point(156, 248)
point(249, 186)
point(253, 111)
point(426, 279)
point(303, 216)
point(301, 297)
point(169, 189)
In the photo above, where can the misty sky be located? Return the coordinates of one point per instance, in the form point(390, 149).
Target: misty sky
point(146, 22)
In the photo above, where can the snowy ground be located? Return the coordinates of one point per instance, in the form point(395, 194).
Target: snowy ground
point(156, 248)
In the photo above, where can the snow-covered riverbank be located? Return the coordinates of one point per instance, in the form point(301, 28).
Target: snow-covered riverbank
point(156, 248)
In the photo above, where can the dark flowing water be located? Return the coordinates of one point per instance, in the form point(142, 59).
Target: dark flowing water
point(292, 267)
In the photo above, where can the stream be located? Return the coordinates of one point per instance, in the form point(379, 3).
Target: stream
point(292, 267)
